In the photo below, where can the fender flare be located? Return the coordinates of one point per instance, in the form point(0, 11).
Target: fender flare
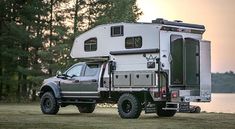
point(53, 86)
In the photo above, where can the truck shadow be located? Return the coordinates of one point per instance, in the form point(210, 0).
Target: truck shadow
point(105, 115)
point(142, 116)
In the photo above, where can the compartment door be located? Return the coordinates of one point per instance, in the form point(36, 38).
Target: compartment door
point(205, 69)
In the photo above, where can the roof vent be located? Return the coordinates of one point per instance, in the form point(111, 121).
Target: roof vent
point(158, 21)
point(178, 21)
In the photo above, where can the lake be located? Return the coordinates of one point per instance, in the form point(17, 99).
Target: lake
point(221, 102)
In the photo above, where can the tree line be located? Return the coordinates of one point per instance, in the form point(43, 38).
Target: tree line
point(223, 82)
point(36, 37)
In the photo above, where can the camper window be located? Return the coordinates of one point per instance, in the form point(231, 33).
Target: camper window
point(90, 44)
point(116, 31)
point(133, 42)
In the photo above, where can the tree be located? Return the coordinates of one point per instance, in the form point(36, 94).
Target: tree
point(36, 37)
point(112, 11)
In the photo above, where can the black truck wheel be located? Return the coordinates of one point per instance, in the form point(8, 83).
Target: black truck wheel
point(49, 104)
point(86, 108)
point(164, 113)
point(129, 106)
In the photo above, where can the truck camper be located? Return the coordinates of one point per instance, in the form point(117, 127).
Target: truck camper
point(157, 67)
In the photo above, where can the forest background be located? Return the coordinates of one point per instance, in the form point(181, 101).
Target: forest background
point(36, 37)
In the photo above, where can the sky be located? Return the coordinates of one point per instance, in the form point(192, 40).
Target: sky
point(218, 16)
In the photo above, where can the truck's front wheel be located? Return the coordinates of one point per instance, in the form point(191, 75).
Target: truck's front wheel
point(49, 104)
point(164, 113)
point(86, 108)
point(129, 106)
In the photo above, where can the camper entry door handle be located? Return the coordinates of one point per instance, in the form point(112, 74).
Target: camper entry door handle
point(93, 80)
point(170, 58)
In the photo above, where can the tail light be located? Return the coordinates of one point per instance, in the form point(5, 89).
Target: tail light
point(174, 94)
point(163, 90)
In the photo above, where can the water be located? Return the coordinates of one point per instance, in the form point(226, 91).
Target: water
point(220, 103)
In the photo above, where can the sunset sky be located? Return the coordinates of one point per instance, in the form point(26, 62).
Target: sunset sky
point(217, 15)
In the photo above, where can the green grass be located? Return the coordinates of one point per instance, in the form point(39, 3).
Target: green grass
point(29, 116)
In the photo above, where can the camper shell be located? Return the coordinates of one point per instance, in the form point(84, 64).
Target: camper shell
point(159, 66)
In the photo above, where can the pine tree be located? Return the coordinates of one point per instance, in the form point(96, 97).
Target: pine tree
point(36, 37)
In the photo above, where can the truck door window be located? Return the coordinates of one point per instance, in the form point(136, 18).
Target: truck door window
point(92, 69)
point(75, 71)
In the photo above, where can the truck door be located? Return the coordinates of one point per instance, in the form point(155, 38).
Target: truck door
point(82, 81)
point(70, 85)
point(89, 82)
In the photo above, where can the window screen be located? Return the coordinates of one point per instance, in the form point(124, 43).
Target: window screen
point(116, 31)
point(90, 44)
point(133, 42)
point(177, 63)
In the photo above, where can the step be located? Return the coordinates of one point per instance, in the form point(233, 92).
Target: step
point(150, 110)
point(76, 102)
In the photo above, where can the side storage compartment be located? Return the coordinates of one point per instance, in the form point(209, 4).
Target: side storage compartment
point(122, 79)
point(134, 79)
point(142, 79)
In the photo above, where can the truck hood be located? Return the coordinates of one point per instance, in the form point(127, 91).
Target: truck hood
point(51, 79)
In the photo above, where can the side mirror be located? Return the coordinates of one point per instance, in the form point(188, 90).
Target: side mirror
point(58, 73)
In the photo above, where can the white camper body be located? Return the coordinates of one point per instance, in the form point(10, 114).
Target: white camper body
point(107, 43)
point(156, 41)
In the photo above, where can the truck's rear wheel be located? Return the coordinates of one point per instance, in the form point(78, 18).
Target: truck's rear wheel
point(129, 106)
point(49, 104)
point(86, 108)
point(164, 113)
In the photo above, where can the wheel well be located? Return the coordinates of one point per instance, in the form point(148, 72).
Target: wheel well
point(143, 96)
point(45, 89)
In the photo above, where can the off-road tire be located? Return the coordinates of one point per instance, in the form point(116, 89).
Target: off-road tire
point(129, 106)
point(86, 108)
point(164, 113)
point(49, 104)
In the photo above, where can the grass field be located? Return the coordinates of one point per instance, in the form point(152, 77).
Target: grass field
point(29, 116)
